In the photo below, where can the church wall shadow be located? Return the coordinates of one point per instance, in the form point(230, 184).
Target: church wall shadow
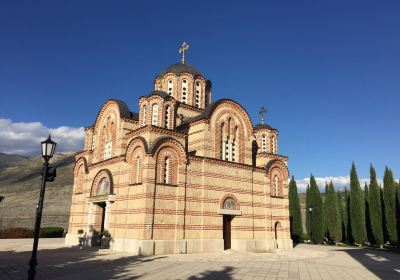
point(72, 262)
point(382, 263)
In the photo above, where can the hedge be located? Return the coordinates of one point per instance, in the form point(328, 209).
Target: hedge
point(51, 232)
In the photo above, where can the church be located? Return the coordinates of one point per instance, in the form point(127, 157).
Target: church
point(185, 174)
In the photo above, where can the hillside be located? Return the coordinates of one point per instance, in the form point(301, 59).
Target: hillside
point(20, 181)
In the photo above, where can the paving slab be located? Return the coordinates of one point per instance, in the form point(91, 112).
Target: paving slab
point(59, 262)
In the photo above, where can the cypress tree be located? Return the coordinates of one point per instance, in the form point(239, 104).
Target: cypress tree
point(384, 227)
point(342, 218)
point(308, 214)
point(347, 218)
point(317, 213)
point(332, 217)
point(367, 214)
point(375, 208)
point(296, 228)
point(357, 208)
point(389, 195)
point(398, 210)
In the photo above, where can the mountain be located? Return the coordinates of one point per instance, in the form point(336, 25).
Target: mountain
point(20, 181)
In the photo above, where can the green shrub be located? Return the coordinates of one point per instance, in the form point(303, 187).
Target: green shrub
point(51, 232)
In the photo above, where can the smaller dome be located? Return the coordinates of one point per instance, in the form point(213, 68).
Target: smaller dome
point(261, 126)
point(179, 68)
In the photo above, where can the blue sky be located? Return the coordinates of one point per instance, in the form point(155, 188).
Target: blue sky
point(328, 71)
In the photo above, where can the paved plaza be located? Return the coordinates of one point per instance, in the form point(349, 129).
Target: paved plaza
point(303, 262)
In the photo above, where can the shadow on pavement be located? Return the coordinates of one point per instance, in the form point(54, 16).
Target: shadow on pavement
point(224, 274)
point(383, 264)
point(71, 263)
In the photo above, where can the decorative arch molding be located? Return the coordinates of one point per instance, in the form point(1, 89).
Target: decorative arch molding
point(81, 161)
point(241, 113)
point(278, 175)
point(276, 163)
point(136, 142)
point(171, 143)
point(119, 107)
point(104, 173)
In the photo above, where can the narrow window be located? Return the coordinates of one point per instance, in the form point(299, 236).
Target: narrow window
point(167, 117)
point(144, 115)
point(263, 143)
point(170, 87)
point(154, 116)
point(166, 170)
point(234, 145)
point(197, 94)
point(138, 178)
point(184, 91)
point(107, 149)
point(222, 142)
point(276, 185)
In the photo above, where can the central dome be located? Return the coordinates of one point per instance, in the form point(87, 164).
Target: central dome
point(179, 68)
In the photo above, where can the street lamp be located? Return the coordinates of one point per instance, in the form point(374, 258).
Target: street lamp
point(48, 175)
point(311, 221)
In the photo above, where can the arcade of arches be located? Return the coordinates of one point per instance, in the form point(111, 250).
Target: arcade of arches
point(182, 175)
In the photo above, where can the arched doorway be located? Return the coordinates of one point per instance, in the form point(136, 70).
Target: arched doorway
point(101, 196)
point(229, 211)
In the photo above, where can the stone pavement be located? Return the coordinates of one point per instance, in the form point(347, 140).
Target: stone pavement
point(56, 261)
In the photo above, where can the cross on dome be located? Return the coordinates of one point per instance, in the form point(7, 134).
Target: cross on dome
point(262, 111)
point(185, 47)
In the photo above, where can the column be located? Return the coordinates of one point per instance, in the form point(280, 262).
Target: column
point(89, 230)
point(107, 214)
point(90, 216)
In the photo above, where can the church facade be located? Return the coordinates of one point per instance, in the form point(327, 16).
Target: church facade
point(182, 175)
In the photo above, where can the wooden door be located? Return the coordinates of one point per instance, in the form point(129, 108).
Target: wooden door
point(227, 231)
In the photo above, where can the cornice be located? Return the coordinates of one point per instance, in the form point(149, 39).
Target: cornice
point(271, 155)
point(107, 162)
point(225, 163)
point(151, 128)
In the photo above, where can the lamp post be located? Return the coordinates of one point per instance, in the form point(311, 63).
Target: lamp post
point(311, 221)
point(48, 175)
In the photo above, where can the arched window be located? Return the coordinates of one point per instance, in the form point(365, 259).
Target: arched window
point(167, 108)
point(144, 115)
point(234, 146)
point(263, 143)
point(229, 203)
point(276, 185)
point(138, 170)
point(230, 141)
point(154, 115)
point(184, 91)
point(170, 87)
point(197, 94)
point(167, 167)
point(222, 142)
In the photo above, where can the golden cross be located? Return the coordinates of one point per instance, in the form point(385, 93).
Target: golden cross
point(185, 47)
point(262, 111)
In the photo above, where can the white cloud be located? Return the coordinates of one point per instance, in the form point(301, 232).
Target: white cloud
point(339, 182)
point(24, 138)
